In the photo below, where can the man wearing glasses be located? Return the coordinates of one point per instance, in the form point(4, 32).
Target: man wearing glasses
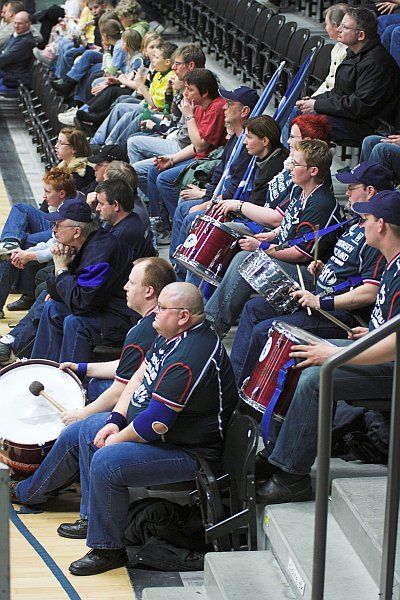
point(367, 82)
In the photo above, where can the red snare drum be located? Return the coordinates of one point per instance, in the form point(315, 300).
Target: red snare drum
point(273, 373)
point(209, 249)
point(29, 424)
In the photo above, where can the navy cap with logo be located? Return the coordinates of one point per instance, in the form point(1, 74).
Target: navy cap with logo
point(384, 205)
point(243, 94)
point(75, 210)
point(108, 153)
point(368, 173)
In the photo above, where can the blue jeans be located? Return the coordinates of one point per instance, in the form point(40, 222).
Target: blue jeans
point(294, 444)
point(385, 154)
point(82, 67)
point(26, 224)
point(24, 332)
point(63, 464)
point(96, 387)
point(162, 189)
point(122, 106)
point(226, 303)
point(65, 58)
point(62, 336)
point(181, 224)
point(255, 322)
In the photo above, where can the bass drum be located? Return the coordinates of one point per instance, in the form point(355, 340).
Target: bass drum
point(29, 424)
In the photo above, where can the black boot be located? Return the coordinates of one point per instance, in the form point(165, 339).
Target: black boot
point(64, 87)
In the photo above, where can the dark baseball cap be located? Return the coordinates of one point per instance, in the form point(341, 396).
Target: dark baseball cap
point(368, 173)
point(109, 152)
point(75, 209)
point(384, 205)
point(246, 95)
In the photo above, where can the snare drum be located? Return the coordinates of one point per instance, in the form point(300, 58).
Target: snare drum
point(209, 249)
point(274, 377)
point(270, 280)
point(29, 424)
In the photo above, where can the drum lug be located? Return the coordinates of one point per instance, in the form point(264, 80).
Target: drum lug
point(279, 340)
point(3, 444)
point(245, 382)
point(255, 392)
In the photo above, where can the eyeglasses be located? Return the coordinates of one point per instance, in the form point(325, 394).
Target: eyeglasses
point(179, 62)
point(162, 308)
point(346, 28)
point(294, 137)
point(60, 143)
point(56, 226)
point(296, 164)
point(351, 188)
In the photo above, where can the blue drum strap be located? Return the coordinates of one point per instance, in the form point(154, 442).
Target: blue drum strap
point(49, 562)
point(272, 403)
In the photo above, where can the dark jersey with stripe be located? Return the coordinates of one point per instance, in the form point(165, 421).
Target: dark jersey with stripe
point(136, 345)
point(192, 375)
point(387, 304)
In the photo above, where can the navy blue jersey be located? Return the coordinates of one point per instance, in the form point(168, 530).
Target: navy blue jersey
point(387, 304)
point(278, 192)
point(302, 215)
point(351, 257)
point(192, 374)
point(136, 345)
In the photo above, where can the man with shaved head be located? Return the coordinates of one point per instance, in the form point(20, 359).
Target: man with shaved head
point(16, 56)
point(177, 406)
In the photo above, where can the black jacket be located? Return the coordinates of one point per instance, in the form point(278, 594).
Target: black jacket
point(367, 87)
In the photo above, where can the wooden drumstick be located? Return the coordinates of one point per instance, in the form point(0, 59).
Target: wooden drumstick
point(303, 287)
point(334, 320)
point(37, 389)
point(316, 248)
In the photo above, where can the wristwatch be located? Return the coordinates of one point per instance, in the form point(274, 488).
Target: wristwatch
point(189, 117)
point(61, 271)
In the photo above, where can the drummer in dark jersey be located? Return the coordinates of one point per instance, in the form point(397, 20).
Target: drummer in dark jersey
point(311, 204)
point(292, 449)
point(109, 379)
point(346, 286)
point(146, 280)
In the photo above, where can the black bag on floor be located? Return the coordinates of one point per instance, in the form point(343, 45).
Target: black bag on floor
point(171, 535)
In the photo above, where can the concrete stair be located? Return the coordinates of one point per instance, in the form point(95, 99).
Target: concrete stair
point(282, 567)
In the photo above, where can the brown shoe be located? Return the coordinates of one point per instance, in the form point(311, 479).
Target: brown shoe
point(11, 488)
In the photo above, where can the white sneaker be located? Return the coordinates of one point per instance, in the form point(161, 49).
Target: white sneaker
point(67, 117)
point(7, 248)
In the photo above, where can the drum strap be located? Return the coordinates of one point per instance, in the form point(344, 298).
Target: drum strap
point(312, 235)
point(276, 395)
point(49, 562)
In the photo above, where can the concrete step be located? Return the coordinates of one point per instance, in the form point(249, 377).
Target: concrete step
point(340, 468)
point(290, 532)
point(174, 593)
point(359, 507)
point(244, 575)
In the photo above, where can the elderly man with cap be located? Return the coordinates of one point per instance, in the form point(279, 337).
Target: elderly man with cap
point(292, 446)
point(87, 304)
point(346, 284)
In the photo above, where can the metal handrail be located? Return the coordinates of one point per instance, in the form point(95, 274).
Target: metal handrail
point(324, 453)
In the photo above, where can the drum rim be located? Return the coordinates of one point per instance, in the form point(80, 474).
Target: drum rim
point(43, 361)
point(191, 264)
point(224, 226)
point(284, 327)
point(261, 253)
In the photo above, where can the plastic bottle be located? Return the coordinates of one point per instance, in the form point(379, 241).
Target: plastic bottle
point(146, 114)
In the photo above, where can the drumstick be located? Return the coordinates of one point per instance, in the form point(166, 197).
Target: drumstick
point(303, 287)
point(334, 320)
point(37, 389)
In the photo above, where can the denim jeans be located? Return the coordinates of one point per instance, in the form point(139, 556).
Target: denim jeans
point(128, 124)
point(122, 105)
point(162, 189)
point(226, 303)
point(82, 67)
point(65, 58)
point(62, 336)
point(96, 387)
point(141, 151)
point(27, 224)
point(385, 154)
point(255, 322)
point(294, 445)
point(63, 464)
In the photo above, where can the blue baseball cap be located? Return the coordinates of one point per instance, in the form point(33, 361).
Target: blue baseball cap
point(246, 95)
point(384, 205)
point(368, 173)
point(75, 209)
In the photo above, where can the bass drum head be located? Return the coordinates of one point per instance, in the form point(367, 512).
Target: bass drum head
point(29, 419)
point(296, 334)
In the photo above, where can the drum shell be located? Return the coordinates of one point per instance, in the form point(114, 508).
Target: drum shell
point(209, 249)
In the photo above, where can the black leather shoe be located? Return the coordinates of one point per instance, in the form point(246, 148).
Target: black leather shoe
point(76, 531)
point(99, 561)
point(64, 87)
point(23, 303)
point(284, 487)
point(263, 469)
